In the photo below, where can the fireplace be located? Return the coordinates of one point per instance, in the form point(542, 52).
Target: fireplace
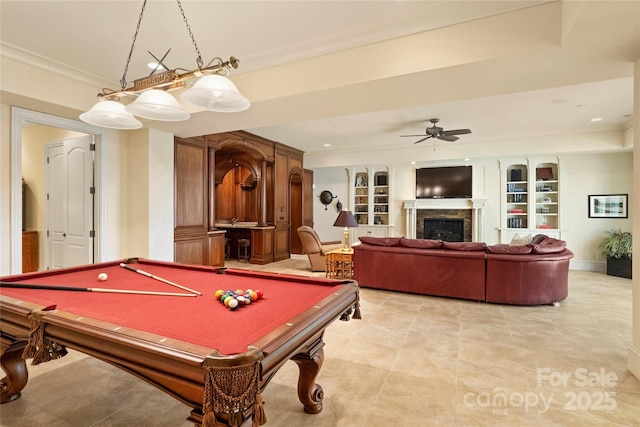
point(446, 229)
point(470, 210)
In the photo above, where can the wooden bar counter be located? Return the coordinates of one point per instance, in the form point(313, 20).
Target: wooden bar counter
point(261, 238)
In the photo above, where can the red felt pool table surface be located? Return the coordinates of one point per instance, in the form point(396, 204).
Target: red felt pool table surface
point(200, 320)
point(175, 343)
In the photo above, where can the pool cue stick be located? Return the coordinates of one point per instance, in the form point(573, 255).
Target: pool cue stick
point(153, 276)
point(100, 290)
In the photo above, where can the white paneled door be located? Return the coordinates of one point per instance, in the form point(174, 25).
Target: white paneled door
point(69, 170)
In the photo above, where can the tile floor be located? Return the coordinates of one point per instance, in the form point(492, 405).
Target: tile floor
point(411, 361)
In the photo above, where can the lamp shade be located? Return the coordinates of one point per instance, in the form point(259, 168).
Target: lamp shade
point(216, 93)
point(110, 114)
point(345, 219)
point(156, 104)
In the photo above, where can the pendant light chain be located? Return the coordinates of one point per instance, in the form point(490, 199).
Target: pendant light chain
point(207, 87)
point(193, 39)
point(123, 81)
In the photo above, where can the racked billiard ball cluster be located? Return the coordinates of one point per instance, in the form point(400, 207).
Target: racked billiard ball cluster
point(236, 299)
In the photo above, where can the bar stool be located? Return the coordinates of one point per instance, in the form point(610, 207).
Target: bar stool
point(227, 248)
point(243, 250)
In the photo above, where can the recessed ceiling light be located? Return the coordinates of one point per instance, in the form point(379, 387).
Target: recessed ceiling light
point(596, 119)
point(327, 145)
point(413, 163)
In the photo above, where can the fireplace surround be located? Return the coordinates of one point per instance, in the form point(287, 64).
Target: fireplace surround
point(469, 209)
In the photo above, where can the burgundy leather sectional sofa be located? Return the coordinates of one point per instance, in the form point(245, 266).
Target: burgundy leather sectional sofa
point(532, 274)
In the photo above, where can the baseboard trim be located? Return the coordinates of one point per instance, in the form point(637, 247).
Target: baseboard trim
point(597, 266)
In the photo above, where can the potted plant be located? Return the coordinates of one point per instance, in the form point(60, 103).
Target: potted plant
point(616, 247)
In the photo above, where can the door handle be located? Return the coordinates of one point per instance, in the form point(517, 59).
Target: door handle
point(64, 234)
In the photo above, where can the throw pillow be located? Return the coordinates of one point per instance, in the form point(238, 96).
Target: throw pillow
point(518, 240)
point(380, 241)
point(549, 246)
point(538, 238)
point(421, 243)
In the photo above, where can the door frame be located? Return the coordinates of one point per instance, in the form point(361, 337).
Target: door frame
point(19, 118)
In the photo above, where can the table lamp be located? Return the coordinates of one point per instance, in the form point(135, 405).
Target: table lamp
point(345, 219)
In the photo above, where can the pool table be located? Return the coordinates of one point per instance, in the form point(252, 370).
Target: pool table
point(182, 344)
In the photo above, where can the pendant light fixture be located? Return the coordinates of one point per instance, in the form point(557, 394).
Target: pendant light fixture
point(208, 88)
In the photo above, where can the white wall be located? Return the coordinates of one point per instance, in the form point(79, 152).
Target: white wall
point(149, 187)
point(582, 175)
point(336, 181)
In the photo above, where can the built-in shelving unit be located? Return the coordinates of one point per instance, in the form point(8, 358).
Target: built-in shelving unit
point(531, 201)
point(370, 202)
point(517, 191)
point(381, 198)
point(546, 194)
point(361, 202)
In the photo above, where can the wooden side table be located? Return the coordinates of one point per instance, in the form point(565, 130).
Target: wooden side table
point(339, 264)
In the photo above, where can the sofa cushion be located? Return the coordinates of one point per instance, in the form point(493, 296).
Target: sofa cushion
point(549, 246)
point(421, 243)
point(509, 249)
point(380, 241)
point(464, 246)
point(518, 240)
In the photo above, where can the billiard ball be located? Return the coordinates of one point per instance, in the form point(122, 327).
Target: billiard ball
point(233, 303)
point(102, 277)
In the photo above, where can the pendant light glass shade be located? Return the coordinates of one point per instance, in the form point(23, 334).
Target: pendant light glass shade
point(110, 114)
point(216, 93)
point(156, 104)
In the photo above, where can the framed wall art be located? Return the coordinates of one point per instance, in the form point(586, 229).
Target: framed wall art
point(608, 206)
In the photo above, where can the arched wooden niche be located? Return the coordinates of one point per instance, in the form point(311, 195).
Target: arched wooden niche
point(237, 177)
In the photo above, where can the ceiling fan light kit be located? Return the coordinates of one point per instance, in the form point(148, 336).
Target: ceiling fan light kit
point(439, 133)
point(212, 91)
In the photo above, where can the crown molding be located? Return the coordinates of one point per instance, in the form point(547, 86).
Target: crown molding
point(31, 59)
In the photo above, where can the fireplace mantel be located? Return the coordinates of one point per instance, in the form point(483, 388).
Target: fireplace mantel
point(477, 205)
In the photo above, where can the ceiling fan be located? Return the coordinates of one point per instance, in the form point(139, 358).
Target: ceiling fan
point(439, 133)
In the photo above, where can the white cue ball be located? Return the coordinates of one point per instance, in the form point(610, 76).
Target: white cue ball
point(102, 277)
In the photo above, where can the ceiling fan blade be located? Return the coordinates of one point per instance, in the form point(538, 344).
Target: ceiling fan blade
point(448, 138)
point(423, 139)
point(456, 132)
point(422, 134)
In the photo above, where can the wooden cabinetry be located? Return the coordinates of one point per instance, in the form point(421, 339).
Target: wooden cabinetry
point(29, 251)
point(530, 202)
point(241, 177)
point(216, 248)
point(191, 244)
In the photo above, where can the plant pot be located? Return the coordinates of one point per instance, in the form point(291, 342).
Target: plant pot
point(619, 267)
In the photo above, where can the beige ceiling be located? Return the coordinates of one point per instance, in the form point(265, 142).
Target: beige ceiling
point(357, 74)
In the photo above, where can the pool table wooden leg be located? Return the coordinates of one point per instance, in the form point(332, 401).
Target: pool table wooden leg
point(15, 369)
point(309, 364)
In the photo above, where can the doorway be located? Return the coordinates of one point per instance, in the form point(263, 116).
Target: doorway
point(296, 195)
point(69, 202)
point(22, 119)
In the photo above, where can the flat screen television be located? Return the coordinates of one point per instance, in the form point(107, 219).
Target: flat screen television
point(444, 182)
